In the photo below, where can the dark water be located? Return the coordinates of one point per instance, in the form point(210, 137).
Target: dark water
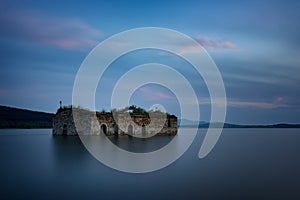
point(245, 164)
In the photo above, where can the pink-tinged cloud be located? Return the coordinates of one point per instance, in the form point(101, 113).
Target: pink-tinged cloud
point(209, 44)
point(214, 44)
point(279, 99)
point(288, 100)
point(69, 34)
point(150, 94)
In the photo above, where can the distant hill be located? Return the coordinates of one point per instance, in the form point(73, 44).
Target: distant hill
point(21, 118)
point(203, 124)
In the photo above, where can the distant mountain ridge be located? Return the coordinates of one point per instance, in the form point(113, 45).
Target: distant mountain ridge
point(203, 124)
point(21, 118)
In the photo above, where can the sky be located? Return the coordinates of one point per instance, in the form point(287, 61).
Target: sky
point(255, 45)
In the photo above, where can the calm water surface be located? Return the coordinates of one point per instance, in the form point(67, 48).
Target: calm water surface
point(245, 164)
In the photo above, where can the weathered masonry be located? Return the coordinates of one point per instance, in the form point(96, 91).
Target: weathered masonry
point(63, 124)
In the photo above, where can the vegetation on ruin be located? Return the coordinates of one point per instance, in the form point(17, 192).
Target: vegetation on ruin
point(131, 109)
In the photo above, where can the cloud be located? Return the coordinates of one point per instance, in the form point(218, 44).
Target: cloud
point(215, 44)
point(246, 104)
point(279, 99)
point(209, 44)
point(151, 94)
point(68, 34)
point(288, 100)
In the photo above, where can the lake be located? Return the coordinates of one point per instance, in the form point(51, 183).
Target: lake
point(244, 164)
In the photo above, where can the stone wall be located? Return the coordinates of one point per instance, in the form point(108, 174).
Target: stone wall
point(104, 123)
point(64, 120)
point(159, 125)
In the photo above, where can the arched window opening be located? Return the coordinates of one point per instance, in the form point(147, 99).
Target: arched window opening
point(103, 129)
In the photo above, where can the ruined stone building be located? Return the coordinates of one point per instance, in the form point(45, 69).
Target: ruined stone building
point(63, 124)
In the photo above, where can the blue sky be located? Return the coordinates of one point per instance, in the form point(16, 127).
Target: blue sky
point(255, 44)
